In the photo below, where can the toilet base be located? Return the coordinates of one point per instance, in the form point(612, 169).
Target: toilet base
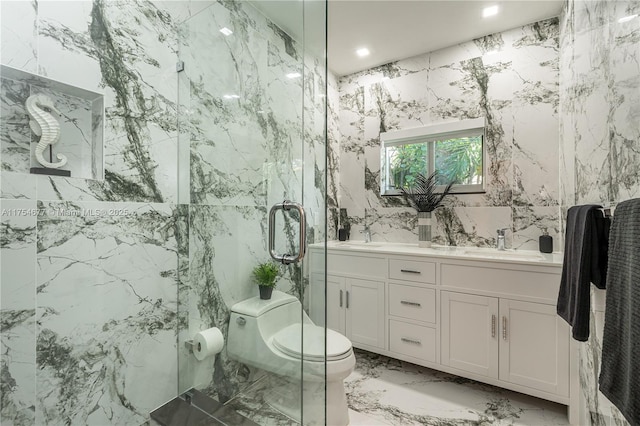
point(284, 396)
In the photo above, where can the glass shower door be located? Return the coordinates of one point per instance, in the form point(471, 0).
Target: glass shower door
point(252, 134)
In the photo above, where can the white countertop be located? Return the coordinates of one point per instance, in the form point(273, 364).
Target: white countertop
point(529, 257)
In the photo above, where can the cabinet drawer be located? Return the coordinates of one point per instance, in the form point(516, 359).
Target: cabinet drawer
point(539, 283)
point(365, 266)
point(412, 340)
point(412, 302)
point(411, 270)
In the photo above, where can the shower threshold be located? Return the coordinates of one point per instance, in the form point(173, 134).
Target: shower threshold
point(201, 410)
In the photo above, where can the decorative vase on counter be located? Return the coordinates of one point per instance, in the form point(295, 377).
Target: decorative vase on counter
point(424, 197)
point(424, 229)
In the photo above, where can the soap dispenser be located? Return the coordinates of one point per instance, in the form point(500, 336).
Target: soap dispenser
point(546, 242)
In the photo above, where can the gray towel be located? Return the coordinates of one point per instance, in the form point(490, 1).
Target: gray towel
point(620, 371)
point(585, 262)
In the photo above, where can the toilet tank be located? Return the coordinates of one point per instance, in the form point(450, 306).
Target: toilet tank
point(254, 321)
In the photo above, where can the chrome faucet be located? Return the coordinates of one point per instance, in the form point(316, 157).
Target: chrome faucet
point(500, 239)
point(367, 234)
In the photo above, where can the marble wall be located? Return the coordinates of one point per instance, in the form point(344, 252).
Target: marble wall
point(599, 152)
point(89, 266)
point(99, 274)
point(511, 78)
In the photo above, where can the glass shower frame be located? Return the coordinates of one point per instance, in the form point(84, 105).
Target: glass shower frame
point(252, 133)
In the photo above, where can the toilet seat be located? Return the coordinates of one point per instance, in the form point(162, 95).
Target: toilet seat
point(289, 341)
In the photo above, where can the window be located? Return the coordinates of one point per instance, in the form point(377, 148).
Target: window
point(455, 150)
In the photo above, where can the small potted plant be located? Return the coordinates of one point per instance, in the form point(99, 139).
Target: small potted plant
point(265, 275)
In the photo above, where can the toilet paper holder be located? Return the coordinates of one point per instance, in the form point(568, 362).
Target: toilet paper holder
point(191, 345)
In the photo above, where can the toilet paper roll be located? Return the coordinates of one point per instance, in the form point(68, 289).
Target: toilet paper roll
point(207, 342)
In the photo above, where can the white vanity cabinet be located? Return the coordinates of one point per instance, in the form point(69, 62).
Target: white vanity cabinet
point(470, 333)
point(518, 342)
point(355, 300)
point(491, 319)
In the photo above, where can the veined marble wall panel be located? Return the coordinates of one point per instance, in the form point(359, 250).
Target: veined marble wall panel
point(17, 311)
point(15, 134)
point(624, 129)
point(241, 108)
point(18, 34)
point(103, 286)
point(510, 78)
point(590, 114)
point(17, 185)
point(600, 109)
point(333, 157)
point(106, 299)
point(125, 50)
point(315, 157)
point(352, 164)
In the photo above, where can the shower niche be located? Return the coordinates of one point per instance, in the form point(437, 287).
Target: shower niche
point(49, 127)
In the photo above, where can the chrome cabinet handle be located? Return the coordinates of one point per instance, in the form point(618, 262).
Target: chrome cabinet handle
point(341, 298)
point(347, 299)
point(493, 326)
point(409, 271)
point(406, 302)
point(287, 258)
point(413, 342)
point(504, 328)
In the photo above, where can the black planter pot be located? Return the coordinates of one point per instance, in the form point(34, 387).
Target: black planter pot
point(265, 292)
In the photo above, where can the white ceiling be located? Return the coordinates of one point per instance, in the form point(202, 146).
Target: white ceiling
point(397, 29)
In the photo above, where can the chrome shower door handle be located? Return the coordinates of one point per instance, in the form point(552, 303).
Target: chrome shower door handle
point(287, 258)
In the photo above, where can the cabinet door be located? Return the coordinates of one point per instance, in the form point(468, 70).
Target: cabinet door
point(534, 346)
point(469, 333)
point(364, 303)
point(336, 296)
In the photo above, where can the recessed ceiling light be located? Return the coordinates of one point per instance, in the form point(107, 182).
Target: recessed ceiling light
point(231, 97)
point(489, 11)
point(627, 18)
point(226, 31)
point(362, 52)
point(294, 75)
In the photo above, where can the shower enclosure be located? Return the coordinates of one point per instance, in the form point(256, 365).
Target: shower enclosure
point(183, 123)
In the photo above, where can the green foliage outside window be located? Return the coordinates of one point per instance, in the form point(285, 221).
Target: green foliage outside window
point(407, 162)
point(457, 160)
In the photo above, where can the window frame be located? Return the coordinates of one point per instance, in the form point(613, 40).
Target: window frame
point(429, 135)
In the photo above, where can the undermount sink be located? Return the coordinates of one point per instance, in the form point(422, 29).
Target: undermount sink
point(505, 254)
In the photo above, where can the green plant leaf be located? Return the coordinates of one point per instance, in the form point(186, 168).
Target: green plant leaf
point(266, 274)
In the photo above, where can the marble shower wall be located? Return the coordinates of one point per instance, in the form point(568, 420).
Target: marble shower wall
point(511, 78)
point(600, 137)
point(99, 274)
point(90, 267)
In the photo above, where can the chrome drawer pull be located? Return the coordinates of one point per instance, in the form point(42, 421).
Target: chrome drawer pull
point(413, 342)
point(493, 326)
point(406, 302)
point(409, 271)
point(504, 328)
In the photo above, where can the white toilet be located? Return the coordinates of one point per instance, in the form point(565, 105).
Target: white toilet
point(269, 334)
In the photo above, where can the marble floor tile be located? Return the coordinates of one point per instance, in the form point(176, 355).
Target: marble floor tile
point(386, 391)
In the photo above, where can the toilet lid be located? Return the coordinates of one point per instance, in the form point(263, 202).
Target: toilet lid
point(288, 340)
